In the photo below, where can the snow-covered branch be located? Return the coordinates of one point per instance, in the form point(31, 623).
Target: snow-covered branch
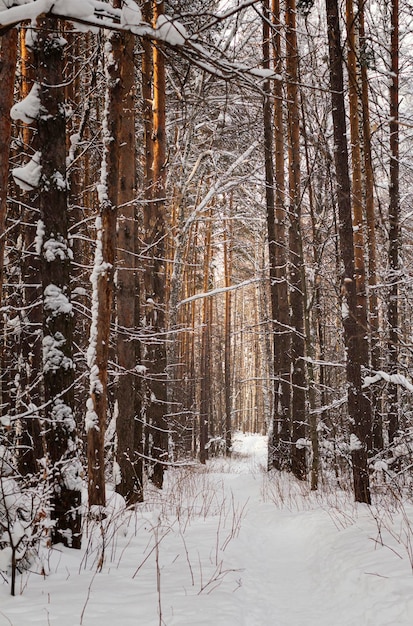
point(219, 290)
point(93, 14)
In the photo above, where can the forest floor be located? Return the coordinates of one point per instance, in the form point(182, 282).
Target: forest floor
point(229, 545)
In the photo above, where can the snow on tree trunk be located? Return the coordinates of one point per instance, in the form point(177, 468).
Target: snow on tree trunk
point(63, 465)
point(103, 278)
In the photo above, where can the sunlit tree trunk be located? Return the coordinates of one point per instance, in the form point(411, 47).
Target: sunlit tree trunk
point(354, 335)
point(155, 274)
point(394, 225)
point(297, 289)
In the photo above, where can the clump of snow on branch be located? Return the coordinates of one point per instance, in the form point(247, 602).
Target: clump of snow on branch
point(81, 9)
point(53, 358)
point(131, 15)
point(394, 379)
point(55, 301)
point(355, 443)
point(171, 31)
point(56, 248)
point(28, 176)
point(72, 473)
point(62, 413)
point(27, 110)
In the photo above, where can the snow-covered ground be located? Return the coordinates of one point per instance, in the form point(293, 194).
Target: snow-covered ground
point(229, 545)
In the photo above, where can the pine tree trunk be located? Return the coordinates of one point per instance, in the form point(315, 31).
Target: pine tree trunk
point(155, 274)
point(205, 426)
point(227, 331)
point(8, 59)
point(276, 217)
point(358, 408)
point(297, 289)
point(58, 368)
point(31, 385)
point(375, 353)
point(394, 226)
point(103, 277)
point(128, 420)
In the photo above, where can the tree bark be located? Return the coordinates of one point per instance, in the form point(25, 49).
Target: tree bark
point(297, 289)
point(227, 331)
point(103, 276)
point(374, 323)
point(279, 450)
point(8, 60)
point(358, 408)
point(128, 420)
point(394, 227)
point(155, 274)
point(55, 253)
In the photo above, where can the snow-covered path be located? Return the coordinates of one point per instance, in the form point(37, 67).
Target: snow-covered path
point(230, 546)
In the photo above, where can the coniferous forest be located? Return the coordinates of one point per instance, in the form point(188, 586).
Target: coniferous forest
point(205, 230)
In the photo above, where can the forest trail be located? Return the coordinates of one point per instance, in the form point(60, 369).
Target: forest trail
point(312, 560)
point(228, 545)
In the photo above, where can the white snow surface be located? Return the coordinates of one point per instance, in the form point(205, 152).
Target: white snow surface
point(228, 545)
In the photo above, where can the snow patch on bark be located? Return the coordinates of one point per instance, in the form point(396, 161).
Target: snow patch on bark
point(53, 358)
point(28, 176)
point(55, 301)
point(27, 110)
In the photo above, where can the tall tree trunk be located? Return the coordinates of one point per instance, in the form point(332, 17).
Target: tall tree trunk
point(375, 357)
point(103, 276)
point(128, 420)
point(227, 331)
point(155, 274)
point(315, 305)
point(279, 453)
point(354, 335)
point(31, 384)
point(8, 59)
point(297, 289)
point(353, 53)
point(394, 226)
point(58, 369)
point(205, 426)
